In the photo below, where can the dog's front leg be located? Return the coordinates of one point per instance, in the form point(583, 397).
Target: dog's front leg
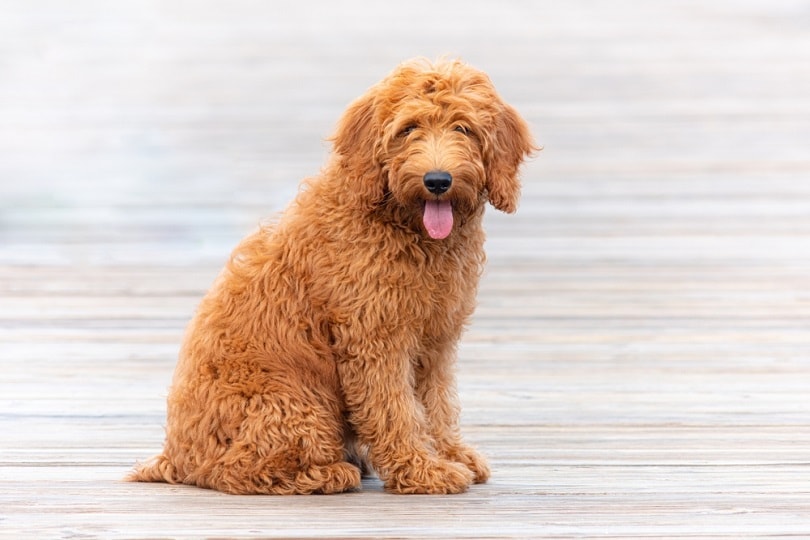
point(386, 416)
point(436, 388)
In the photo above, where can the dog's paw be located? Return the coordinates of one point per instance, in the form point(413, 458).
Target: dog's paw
point(436, 476)
point(471, 459)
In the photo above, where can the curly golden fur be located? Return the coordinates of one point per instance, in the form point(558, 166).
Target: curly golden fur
point(326, 347)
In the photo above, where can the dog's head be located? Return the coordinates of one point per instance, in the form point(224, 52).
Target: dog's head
point(436, 141)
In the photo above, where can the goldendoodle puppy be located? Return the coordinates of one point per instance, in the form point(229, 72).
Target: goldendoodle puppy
point(327, 345)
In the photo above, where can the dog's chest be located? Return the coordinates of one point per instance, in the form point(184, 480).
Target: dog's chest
point(443, 281)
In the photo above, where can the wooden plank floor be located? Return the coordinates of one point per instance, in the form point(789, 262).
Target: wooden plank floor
point(639, 365)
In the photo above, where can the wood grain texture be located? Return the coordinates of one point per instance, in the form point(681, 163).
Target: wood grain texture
point(638, 366)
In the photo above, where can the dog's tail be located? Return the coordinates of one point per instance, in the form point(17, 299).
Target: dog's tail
point(156, 469)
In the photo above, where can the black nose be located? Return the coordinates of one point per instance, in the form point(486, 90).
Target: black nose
point(437, 182)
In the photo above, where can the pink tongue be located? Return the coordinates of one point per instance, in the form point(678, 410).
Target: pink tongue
point(438, 218)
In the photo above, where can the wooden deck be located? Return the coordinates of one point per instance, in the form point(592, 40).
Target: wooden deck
point(639, 365)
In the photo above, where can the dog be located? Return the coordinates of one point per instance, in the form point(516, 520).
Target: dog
point(326, 347)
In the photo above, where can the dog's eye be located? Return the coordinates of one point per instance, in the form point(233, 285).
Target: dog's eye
point(407, 130)
point(462, 129)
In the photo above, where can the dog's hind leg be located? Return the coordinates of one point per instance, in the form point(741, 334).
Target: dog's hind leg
point(269, 477)
point(284, 445)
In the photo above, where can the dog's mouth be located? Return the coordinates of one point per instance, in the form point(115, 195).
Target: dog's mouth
point(438, 218)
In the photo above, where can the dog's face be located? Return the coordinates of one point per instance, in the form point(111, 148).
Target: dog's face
point(434, 141)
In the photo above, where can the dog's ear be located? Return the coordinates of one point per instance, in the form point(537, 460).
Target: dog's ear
point(509, 143)
point(356, 142)
point(354, 127)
